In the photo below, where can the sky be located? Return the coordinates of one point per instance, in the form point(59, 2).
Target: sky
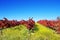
point(25, 9)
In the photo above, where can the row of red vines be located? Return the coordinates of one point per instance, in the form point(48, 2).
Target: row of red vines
point(5, 23)
point(53, 24)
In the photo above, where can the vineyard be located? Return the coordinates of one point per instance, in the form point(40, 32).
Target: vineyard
point(29, 29)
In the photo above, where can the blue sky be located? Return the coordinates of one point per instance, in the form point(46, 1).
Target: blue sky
point(23, 9)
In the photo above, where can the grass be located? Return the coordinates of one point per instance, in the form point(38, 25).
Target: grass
point(20, 32)
point(44, 33)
